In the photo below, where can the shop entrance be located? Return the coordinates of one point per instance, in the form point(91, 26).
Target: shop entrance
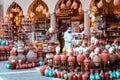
point(63, 25)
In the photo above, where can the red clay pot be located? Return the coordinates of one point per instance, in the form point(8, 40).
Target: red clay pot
point(105, 57)
point(71, 60)
point(57, 59)
point(97, 60)
point(80, 58)
point(63, 58)
point(70, 76)
point(42, 70)
point(86, 62)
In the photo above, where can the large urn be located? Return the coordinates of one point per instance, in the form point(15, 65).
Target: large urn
point(31, 56)
point(105, 57)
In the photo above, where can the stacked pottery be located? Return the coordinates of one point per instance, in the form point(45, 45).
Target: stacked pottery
point(31, 56)
point(97, 58)
point(105, 57)
point(20, 51)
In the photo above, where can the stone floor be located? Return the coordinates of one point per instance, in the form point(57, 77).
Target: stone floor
point(24, 74)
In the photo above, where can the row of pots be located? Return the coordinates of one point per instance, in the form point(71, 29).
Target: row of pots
point(75, 75)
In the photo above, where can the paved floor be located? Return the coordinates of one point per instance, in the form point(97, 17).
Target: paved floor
point(25, 74)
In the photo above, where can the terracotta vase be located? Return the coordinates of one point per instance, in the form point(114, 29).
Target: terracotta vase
point(80, 58)
point(63, 58)
point(12, 52)
point(86, 62)
point(58, 74)
point(105, 57)
point(97, 60)
point(62, 74)
point(57, 59)
point(70, 76)
point(71, 60)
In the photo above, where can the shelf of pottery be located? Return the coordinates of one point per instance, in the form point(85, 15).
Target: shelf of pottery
point(77, 39)
point(40, 29)
point(6, 31)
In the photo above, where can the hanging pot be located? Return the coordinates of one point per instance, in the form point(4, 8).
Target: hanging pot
point(100, 4)
point(62, 6)
point(74, 5)
point(58, 12)
point(116, 2)
point(108, 1)
point(68, 3)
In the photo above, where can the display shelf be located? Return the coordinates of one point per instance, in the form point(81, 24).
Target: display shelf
point(40, 29)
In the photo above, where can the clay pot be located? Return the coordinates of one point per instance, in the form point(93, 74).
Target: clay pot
point(13, 65)
point(74, 77)
point(58, 74)
point(62, 74)
point(79, 76)
point(57, 59)
point(63, 58)
point(42, 70)
point(55, 75)
point(71, 60)
point(2, 48)
point(105, 57)
point(113, 58)
point(70, 76)
point(86, 62)
point(21, 57)
point(31, 56)
point(80, 58)
point(7, 48)
point(12, 52)
point(13, 58)
point(97, 60)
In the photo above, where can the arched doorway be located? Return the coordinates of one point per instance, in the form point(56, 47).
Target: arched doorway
point(14, 15)
point(69, 13)
point(38, 12)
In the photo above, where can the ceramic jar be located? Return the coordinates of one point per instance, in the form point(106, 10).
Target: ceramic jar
point(80, 58)
point(63, 58)
point(70, 75)
point(71, 60)
point(97, 60)
point(86, 62)
point(105, 57)
point(57, 59)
